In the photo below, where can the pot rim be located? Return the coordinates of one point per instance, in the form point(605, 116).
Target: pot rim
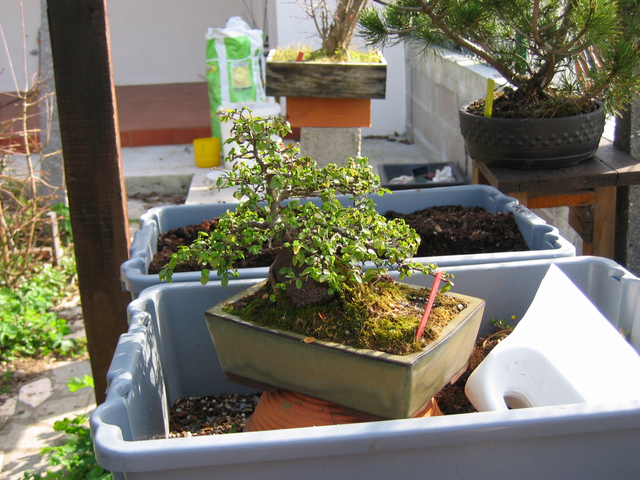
point(454, 325)
point(598, 111)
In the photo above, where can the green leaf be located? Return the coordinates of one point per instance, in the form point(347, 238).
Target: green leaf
point(74, 384)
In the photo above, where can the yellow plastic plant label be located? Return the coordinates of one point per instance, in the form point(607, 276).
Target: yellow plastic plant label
point(488, 101)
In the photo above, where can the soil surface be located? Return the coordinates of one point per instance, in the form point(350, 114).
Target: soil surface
point(457, 230)
point(198, 416)
point(446, 230)
point(510, 103)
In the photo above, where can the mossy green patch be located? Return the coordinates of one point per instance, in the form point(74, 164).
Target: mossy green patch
point(383, 315)
point(290, 54)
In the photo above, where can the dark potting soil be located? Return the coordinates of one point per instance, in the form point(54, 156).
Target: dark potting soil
point(215, 415)
point(169, 242)
point(445, 230)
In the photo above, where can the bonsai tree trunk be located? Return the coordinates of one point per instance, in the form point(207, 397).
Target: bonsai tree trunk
point(343, 23)
point(311, 292)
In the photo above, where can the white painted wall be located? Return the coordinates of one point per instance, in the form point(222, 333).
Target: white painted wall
point(152, 41)
point(155, 41)
point(21, 40)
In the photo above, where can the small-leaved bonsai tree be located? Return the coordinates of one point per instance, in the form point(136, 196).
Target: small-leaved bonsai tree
point(322, 246)
point(557, 55)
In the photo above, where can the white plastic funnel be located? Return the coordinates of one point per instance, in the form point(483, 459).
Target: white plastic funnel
point(562, 351)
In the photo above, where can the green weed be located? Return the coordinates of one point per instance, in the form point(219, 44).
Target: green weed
point(28, 326)
point(75, 460)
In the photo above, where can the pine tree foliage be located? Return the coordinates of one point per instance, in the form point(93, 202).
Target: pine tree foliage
point(551, 51)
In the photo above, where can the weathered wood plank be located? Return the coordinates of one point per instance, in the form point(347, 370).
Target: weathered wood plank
point(604, 222)
point(581, 220)
point(93, 172)
point(609, 167)
point(561, 199)
point(326, 80)
point(627, 168)
point(509, 180)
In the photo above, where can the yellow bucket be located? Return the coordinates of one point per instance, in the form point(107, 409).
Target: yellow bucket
point(207, 152)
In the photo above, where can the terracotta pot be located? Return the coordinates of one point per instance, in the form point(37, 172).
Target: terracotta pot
point(285, 409)
point(377, 383)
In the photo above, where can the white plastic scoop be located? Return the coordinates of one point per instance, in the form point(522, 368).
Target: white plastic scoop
point(562, 351)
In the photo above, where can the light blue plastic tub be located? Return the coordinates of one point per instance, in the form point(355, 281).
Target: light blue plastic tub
point(543, 240)
point(168, 354)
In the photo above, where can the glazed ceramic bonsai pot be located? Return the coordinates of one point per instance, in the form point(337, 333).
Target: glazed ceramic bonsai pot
point(375, 383)
point(535, 143)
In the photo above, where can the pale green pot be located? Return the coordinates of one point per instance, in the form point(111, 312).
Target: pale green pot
point(375, 383)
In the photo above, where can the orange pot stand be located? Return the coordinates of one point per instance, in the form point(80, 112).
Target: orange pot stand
point(286, 409)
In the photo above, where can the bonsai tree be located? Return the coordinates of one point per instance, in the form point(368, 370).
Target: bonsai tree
point(323, 246)
point(557, 55)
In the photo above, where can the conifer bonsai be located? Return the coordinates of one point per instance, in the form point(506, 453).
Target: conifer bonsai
point(557, 55)
point(322, 248)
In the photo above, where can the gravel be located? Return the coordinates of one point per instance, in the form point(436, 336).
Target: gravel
point(214, 415)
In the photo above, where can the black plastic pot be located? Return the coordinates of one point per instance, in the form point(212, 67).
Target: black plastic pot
point(532, 143)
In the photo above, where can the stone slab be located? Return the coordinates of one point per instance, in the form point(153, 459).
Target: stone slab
point(331, 145)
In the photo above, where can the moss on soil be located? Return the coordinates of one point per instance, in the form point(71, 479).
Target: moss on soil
point(383, 315)
point(511, 103)
point(290, 54)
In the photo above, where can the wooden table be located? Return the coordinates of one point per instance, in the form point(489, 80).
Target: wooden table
point(589, 189)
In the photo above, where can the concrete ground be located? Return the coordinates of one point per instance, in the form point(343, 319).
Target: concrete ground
point(171, 169)
point(26, 420)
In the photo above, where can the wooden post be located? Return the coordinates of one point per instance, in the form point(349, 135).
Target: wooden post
point(93, 171)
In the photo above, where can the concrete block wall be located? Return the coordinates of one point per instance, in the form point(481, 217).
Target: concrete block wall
point(437, 87)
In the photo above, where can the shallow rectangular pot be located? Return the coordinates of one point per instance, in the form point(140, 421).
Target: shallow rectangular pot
point(376, 383)
point(326, 79)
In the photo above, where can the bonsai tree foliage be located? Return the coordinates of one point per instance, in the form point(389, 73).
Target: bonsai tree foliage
point(322, 246)
point(557, 55)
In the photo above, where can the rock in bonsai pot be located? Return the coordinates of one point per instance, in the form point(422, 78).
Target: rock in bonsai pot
point(327, 254)
point(557, 56)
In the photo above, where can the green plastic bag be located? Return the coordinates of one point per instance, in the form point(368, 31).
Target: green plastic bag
point(235, 67)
